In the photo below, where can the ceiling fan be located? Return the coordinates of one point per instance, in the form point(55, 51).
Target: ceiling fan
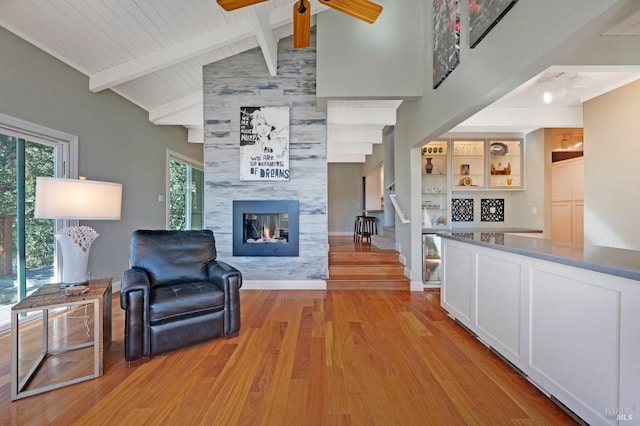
point(360, 9)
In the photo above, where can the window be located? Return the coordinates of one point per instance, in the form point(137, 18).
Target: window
point(185, 193)
point(28, 250)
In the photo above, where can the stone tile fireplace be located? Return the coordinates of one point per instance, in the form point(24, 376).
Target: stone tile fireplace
point(266, 228)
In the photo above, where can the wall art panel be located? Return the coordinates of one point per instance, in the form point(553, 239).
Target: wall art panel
point(446, 39)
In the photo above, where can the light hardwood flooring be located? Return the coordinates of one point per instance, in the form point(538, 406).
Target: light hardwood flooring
point(339, 357)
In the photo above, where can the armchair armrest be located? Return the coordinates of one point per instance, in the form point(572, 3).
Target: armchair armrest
point(134, 299)
point(228, 279)
point(132, 280)
point(222, 274)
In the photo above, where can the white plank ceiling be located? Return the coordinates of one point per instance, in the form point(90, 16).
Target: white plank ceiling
point(151, 52)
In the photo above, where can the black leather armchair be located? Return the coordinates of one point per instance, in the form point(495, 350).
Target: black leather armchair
point(176, 293)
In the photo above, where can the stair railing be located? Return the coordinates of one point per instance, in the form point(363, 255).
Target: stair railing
point(399, 211)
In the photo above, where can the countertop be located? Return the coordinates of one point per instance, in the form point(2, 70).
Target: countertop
point(607, 260)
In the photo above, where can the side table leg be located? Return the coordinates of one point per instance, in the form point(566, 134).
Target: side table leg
point(45, 331)
point(97, 337)
point(14, 356)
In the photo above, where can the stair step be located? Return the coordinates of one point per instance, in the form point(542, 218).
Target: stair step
point(382, 271)
point(353, 284)
point(363, 258)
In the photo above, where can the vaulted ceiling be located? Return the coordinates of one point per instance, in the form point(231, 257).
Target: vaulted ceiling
point(151, 52)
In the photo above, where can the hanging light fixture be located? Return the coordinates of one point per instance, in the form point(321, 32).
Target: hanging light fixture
point(553, 92)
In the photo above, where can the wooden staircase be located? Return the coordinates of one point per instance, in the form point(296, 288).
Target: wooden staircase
point(362, 266)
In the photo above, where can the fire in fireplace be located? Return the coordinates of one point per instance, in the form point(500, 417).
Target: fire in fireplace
point(265, 228)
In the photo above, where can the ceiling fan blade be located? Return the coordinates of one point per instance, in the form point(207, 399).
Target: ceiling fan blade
point(361, 9)
point(301, 23)
point(230, 5)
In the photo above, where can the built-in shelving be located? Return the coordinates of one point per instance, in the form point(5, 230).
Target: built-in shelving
point(468, 165)
point(435, 184)
point(505, 164)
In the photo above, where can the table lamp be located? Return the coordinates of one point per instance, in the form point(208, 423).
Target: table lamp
point(80, 199)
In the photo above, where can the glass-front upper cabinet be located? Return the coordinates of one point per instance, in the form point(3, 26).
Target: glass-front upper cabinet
point(435, 201)
point(468, 165)
point(505, 164)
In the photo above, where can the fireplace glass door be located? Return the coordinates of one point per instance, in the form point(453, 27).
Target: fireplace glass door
point(265, 228)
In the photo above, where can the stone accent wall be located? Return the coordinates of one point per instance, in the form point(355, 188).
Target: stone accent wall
point(243, 80)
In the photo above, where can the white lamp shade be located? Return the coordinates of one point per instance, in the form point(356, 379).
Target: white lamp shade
point(77, 199)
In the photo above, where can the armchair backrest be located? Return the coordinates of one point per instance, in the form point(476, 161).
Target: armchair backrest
point(170, 257)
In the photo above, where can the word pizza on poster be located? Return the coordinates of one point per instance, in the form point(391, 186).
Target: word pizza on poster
point(264, 143)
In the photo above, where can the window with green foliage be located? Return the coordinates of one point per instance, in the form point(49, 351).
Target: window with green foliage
point(27, 245)
point(186, 194)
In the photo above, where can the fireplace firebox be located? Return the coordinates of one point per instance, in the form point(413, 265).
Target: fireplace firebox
point(265, 228)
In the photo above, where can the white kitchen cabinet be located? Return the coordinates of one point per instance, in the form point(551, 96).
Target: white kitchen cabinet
point(561, 221)
point(567, 200)
point(571, 331)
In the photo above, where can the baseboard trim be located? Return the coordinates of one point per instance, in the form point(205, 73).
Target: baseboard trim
point(284, 285)
point(340, 233)
point(426, 286)
point(266, 285)
point(416, 286)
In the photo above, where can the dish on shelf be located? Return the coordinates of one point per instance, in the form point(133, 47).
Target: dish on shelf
point(466, 181)
point(498, 148)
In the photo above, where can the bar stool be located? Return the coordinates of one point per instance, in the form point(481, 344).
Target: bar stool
point(364, 227)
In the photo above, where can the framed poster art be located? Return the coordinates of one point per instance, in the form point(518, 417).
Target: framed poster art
point(264, 143)
point(484, 15)
point(446, 39)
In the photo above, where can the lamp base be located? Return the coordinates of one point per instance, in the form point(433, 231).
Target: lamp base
point(67, 285)
point(75, 242)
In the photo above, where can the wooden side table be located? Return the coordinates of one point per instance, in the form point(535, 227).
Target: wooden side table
point(52, 296)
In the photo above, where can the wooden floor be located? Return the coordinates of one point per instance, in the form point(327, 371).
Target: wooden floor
point(339, 357)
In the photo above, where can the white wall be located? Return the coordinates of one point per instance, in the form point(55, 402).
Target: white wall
point(345, 196)
point(389, 176)
point(523, 202)
point(380, 60)
point(611, 153)
point(373, 189)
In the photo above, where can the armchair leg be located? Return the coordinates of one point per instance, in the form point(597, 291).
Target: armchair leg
point(232, 335)
point(137, 362)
